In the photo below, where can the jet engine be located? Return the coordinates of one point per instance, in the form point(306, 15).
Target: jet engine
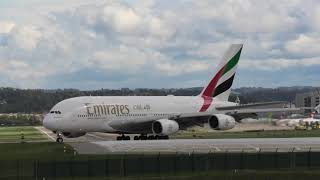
point(165, 127)
point(73, 134)
point(221, 122)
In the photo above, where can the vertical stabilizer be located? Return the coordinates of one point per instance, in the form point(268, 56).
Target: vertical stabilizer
point(220, 85)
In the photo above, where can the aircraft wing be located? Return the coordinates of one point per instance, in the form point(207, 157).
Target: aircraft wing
point(143, 125)
point(254, 105)
point(199, 118)
point(264, 110)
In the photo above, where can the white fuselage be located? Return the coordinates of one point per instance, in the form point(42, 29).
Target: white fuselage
point(95, 113)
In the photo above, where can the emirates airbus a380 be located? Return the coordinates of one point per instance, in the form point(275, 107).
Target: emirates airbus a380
point(156, 116)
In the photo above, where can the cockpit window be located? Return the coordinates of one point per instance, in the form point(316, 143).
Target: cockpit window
point(55, 112)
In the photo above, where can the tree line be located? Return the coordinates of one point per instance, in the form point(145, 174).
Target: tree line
point(20, 120)
point(14, 100)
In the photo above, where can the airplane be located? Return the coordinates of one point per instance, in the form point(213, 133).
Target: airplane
point(298, 119)
point(155, 117)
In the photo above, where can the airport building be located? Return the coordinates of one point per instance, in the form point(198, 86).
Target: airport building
point(309, 99)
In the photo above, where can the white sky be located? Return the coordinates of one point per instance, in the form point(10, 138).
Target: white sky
point(91, 44)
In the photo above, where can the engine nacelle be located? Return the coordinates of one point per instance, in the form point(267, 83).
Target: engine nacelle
point(221, 122)
point(73, 134)
point(165, 127)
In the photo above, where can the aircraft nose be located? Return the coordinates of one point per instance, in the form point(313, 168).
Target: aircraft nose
point(48, 122)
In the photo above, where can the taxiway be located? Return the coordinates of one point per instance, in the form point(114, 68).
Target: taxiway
point(100, 143)
point(199, 145)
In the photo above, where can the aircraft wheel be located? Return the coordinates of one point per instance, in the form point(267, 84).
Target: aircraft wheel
point(136, 138)
point(59, 140)
point(143, 137)
point(151, 137)
point(119, 138)
point(127, 138)
point(163, 137)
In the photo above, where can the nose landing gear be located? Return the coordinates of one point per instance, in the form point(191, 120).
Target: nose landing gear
point(59, 138)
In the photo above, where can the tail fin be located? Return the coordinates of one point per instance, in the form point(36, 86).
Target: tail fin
point(220, 85)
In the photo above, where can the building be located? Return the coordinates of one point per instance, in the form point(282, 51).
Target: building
point(309, 100)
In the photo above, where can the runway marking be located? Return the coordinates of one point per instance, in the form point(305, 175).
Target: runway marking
point(254, 147)
point(296, 148)
point(40, 129)
point(92, 135)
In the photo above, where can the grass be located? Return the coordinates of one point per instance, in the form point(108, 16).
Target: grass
point(232, 175)
point(17, 162)
point(17, 159)
point(300, 174)
point(40, 151)
point(260, 134)
point(15, 134)
point(16, 156)
point(311, 174)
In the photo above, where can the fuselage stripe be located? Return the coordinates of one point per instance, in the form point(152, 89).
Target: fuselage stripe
point(233, 62)
point(206, 103)
point(210, 88)
point(224, 86)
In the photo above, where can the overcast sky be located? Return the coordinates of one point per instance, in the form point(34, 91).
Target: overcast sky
point(89, 44)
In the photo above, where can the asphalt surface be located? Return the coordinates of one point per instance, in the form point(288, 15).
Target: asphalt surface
point(199, 145)
point(89, 137)
point(101, 143)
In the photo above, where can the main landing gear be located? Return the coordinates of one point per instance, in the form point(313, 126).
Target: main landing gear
point(123, 137)
point(59, 138)
point(142, 137)
point(151, 137)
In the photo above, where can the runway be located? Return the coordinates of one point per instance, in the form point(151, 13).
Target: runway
point(199, 146)
point(101, 143)
point(89, 137)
